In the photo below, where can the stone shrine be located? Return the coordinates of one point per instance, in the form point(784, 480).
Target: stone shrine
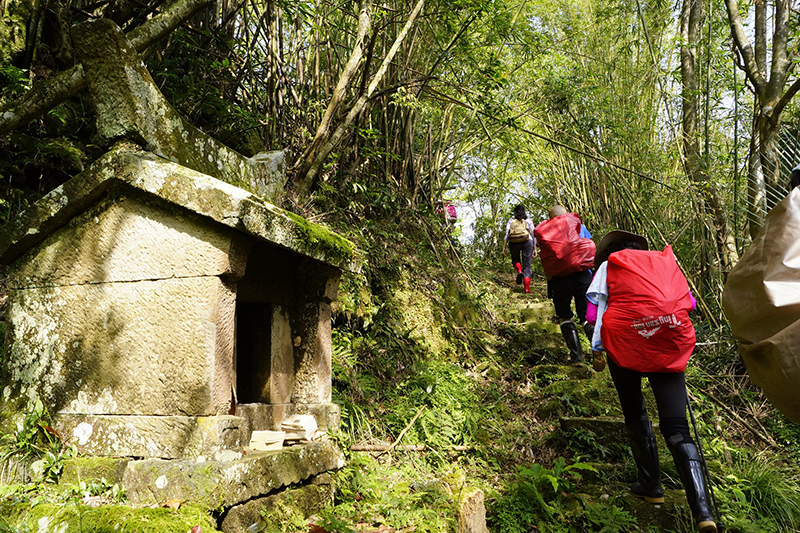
point(158, 312)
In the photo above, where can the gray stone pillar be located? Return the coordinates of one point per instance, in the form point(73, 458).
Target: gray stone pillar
point(313, 351)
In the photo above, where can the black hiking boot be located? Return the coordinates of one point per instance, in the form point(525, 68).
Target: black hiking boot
point(570, 332)
point(645, 455)
point(588, 330)
point(690, 468)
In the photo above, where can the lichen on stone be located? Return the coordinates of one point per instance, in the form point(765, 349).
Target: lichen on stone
point(34, 362)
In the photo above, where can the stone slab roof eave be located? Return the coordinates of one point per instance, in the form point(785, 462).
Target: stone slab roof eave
point(226, 204)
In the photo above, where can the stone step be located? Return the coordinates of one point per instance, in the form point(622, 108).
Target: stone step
point(608, 430)
point(611, 429)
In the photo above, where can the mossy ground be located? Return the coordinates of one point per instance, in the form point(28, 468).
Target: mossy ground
point(105, 518)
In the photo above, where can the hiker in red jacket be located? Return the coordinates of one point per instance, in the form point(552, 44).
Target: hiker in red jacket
point(520, 240)
point(643, 304)
point(567, 257)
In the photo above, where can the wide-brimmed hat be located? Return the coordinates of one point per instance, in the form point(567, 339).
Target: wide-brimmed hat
point(618, 235)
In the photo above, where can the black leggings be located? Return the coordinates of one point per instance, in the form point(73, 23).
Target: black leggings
point(669, 389)
point(566, 288)
point(522, 252)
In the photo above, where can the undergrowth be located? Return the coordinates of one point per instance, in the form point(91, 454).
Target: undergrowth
point(449, 369)
point(495, 397)
point(398, 492)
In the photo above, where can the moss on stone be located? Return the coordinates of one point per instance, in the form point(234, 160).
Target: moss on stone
point(421, 318)
point(89, 469)
point(313, 236)
point(284, 511)
point(105, 519)
point(13, 29)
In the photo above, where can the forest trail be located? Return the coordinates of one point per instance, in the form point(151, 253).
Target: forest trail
point(574, 413)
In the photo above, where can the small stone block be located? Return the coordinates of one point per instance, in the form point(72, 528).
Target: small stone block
point(265, 441)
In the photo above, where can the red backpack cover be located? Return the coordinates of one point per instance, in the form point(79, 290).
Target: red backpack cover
point(562, 249)
point(646, 326)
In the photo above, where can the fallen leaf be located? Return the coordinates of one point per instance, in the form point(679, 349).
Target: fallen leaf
point(173, 504)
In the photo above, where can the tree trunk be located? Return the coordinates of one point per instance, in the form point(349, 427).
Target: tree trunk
point(696, 166)
point(315, 159)
point(763, 179)
point(304, 162)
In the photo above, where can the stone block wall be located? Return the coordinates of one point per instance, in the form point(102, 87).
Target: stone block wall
point(125, 311)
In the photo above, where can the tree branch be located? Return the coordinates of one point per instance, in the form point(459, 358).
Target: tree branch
point(750, 64)
point(787, 96)
point(47, 94)
point(351, 68)
point(307, 180)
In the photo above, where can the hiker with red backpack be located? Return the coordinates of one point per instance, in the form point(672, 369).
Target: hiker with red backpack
point(567, 256)
point(520, 240)
point(643, 303)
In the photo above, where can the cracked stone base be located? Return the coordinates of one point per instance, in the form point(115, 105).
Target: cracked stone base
point(164, 437)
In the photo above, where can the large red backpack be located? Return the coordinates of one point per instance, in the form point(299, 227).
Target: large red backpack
point(562, 249)
point(646, 326)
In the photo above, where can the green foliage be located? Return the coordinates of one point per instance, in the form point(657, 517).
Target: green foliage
point(607, 518)
point(763, 490)
point(199, 80)
point(34, 448)
point(31, 166)
point(96, 488)
point(60, 153)
point(584, 442)
point(12, 203)
point(13, 82)
point(398, 496)
point(355, 299)
point(561, 477)
point(785, 431)
point(380, 396)
point(574, 408)
point(536, 497)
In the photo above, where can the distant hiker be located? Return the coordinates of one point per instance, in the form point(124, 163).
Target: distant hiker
point(567, 256)
point(450, 215)
point(643, 326)
point(447, 210)
point(520, 240)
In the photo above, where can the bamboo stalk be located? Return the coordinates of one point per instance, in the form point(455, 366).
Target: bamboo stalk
point(405, 447)
point(405, 430)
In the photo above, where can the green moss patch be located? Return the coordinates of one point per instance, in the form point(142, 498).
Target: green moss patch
point(332, 245)
point(89, 469)
point(104, 519)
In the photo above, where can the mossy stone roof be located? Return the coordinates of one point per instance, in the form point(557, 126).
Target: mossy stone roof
point(126, 165)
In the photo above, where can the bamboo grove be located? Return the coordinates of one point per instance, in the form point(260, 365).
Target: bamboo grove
point(643, 114)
